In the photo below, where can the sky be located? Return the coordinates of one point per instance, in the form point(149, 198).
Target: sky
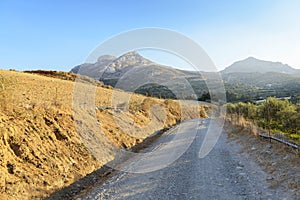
point(58, 35)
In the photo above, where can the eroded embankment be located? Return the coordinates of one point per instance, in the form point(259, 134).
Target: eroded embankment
point(40, 148)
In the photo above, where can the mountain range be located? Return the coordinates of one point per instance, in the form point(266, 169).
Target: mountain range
point(132, 72)
point(246, 79)
point(270, 78)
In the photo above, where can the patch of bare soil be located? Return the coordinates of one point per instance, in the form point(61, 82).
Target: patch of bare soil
point(281, 162)
point(40, 148)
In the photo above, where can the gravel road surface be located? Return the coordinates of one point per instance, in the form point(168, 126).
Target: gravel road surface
point(224, 173)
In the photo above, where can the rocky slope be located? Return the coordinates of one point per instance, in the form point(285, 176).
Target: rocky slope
point(134, 73)
point(108, 66)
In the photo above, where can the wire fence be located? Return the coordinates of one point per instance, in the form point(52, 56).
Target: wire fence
point(280, 140)
point(263, 133)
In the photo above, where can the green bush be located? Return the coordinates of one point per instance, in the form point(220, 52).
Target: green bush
point(273, 114)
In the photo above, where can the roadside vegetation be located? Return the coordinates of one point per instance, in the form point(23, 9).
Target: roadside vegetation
point(274, 115)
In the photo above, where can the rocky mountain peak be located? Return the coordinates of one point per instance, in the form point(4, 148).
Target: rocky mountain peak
point(130, 59)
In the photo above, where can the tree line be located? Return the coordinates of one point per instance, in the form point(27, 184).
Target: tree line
point(273, 114)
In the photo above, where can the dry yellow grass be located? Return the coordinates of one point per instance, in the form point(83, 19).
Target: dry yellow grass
point(40, 148)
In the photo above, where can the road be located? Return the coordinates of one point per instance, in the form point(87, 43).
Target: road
point(224, 173)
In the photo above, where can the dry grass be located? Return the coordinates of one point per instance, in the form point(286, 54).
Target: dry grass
point(40, 147)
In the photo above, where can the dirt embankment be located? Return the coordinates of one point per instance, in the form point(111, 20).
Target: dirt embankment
point(40, 149)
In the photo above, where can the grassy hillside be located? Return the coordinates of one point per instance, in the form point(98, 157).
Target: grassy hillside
point(40, 149)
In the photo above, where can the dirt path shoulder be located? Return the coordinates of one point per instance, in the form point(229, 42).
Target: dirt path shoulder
point(281, 162)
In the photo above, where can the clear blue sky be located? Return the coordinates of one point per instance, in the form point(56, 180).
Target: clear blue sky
point(58, 35)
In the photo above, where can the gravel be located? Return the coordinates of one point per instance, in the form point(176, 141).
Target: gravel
point(225, 173)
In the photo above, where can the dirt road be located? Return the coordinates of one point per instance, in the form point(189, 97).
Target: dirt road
point(224, 174)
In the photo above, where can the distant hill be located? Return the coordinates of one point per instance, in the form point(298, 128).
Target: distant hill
point(253, 65)
point(93, 70)
point(108, 66)
point(244, 80)
point(268, 79)
point(133, 72)
point(264, 79)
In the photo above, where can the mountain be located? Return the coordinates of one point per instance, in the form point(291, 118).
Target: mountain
point(94, 69)
point(108, 66)
point(132, 72)
point(127, 60)
point(264, 79)
point(244, 80)
point(253, 65)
